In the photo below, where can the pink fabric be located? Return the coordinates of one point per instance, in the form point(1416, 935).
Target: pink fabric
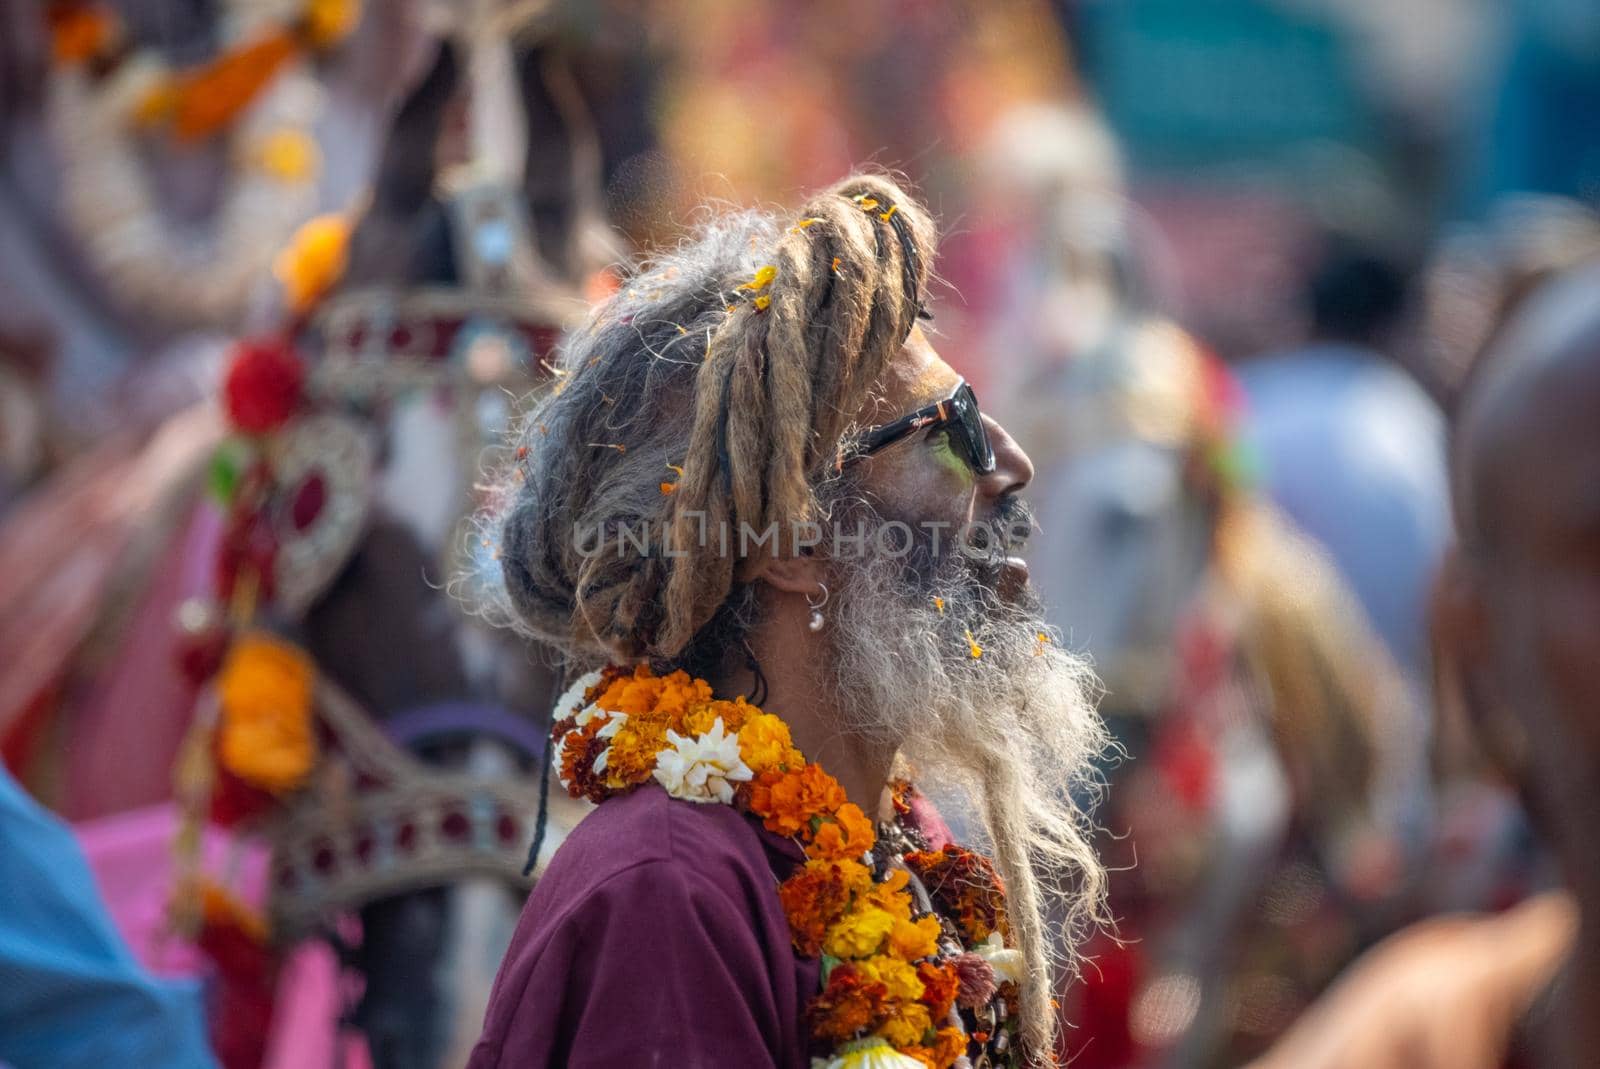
point(131, 856)
point(62, 548)
point(125, 735)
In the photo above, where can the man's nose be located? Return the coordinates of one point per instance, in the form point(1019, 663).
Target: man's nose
point(1012, 468)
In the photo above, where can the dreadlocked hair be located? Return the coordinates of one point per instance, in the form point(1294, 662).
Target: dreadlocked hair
point(735, 362)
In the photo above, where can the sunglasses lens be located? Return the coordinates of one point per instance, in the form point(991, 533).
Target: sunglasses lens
point(975, 436)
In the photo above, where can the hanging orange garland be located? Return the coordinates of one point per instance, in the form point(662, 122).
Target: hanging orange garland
point(203, 101)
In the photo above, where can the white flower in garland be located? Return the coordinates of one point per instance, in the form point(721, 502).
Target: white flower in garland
point(567, 705)
point(702, 769)
point(1007, 963)
point(572, 698)
point(608, 730)
point(871, 1053)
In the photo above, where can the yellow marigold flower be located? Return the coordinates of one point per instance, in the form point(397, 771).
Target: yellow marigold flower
point(911, 940)
point(327, 22)
point(858, 933)
point(972, 646)
point(766, 744)
point(848, 834)
point(632, 758)
point(313, 260)
point(289, 155)
point(265, 736)
point(907, 1027)
point(698, 721)
point(762, 280)
point(900, 978)
point(762, 302)
point(856, 876)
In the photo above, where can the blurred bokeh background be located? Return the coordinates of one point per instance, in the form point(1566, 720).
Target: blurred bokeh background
point(1220, 266)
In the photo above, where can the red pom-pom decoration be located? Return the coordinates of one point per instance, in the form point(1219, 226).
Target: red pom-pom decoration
point(263, 386)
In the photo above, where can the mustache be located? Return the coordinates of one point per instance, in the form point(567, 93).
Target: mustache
point(1013, 519)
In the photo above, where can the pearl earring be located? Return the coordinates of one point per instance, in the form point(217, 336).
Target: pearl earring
point(817, 619)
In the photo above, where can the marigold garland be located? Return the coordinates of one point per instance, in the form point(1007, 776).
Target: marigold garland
point(265, 692)
point(895, 978)
point(313, 261)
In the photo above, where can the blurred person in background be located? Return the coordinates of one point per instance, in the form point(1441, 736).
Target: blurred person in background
point(1351, 447)
point(1484, 853)
point(72, 995)
point(1242, 677)
point(1518, 622)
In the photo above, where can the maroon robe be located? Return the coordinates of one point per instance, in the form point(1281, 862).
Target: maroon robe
point(655, 938)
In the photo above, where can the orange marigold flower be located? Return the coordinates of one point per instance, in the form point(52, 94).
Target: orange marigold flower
point(787, 801)
point(213, 96)
point(266, 736)
point(578, 752)
point(765, 744)
point(314, 260)
point(948, 1045)
point(891, 894)
point(848, 1005)
point(848, 834)
point(940, 985)
point(816, 896)
point(79, 33)
point(966, 885)
point(900, 794)
point(642, 693)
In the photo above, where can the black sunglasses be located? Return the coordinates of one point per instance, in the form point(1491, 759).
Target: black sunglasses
point(957, 413)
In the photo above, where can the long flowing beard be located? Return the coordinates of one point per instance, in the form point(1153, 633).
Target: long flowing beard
point(979, 696)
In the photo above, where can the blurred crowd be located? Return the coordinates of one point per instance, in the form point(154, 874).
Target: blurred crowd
point(1291, 302)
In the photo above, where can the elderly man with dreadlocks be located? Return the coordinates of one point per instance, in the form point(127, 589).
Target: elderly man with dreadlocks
point(778, 530)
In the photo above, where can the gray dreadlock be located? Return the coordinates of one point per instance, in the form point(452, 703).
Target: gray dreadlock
point(739, 359)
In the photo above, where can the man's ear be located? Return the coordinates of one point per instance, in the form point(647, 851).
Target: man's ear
point(802, 573)
point(1464, 665)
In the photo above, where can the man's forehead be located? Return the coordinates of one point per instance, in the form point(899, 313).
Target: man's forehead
point(917, 375)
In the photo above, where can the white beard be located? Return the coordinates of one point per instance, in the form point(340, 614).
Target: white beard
point(1014, 729)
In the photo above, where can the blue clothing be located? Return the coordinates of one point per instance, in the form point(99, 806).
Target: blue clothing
point(1353, 450)
point(71, 993)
